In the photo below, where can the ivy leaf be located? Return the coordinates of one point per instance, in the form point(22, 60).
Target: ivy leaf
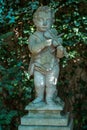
point(12, 20)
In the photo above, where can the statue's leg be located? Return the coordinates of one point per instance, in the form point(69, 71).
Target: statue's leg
point(39, 82)
point(51, 81)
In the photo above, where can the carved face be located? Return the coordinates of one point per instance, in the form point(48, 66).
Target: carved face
point(43, 21)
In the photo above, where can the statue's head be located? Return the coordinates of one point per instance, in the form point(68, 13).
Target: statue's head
point(43, 18)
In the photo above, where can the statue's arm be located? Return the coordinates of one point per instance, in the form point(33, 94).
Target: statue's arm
point(35, 45)
point(57, 42)
point(56, 39)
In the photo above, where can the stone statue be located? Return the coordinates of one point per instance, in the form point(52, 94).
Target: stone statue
point(46, 49)
point(45, 45)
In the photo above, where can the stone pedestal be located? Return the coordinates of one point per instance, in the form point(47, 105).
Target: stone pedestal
point(45, 117)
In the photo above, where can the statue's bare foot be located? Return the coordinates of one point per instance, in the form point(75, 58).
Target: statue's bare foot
point(37, 100)
point(50, 102)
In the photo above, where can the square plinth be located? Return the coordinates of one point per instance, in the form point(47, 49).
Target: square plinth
point(43, 107)
point(34, 109)
point(45, 119)
point(27, 127)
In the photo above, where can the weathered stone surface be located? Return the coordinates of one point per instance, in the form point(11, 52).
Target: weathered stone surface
point(45, 117)
point(41, 119)
point(68, 127)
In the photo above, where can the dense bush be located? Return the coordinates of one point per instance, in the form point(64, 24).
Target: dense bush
point(16, 87)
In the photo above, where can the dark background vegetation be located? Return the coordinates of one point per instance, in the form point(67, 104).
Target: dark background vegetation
point(16, 89)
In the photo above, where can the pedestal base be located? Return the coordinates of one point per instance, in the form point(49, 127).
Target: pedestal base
point(45, 118)
point(37, 127)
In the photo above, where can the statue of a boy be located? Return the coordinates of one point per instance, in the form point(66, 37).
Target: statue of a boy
point(46, 48)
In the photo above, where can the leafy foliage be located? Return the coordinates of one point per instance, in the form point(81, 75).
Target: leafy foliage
point(16, 87)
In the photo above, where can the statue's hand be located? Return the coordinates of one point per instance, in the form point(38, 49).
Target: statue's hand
point(60, 51)
point(60, 40)
point(57, 42)
point(48, 42)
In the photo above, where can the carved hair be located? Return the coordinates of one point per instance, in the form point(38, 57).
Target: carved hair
point(45, 9)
